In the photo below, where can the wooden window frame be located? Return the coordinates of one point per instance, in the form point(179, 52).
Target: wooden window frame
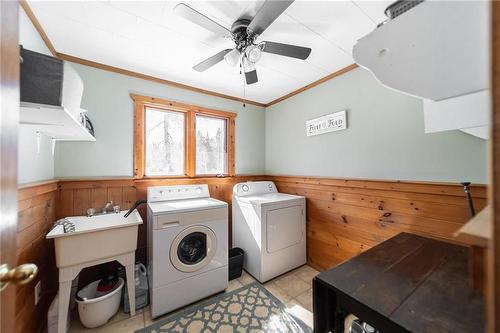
point(190, 111)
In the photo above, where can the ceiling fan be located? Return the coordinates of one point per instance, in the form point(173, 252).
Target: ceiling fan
point(244, 33)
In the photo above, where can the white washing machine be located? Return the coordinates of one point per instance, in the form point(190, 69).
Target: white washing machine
point(187, 246)
point(270, 227)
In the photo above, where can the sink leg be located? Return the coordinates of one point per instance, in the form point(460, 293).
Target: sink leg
point(64, 294)
point(131, 287)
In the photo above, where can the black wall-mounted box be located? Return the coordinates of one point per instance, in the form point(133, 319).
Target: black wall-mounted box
point(41, 78)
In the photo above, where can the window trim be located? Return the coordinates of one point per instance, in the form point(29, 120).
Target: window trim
point(140, 104)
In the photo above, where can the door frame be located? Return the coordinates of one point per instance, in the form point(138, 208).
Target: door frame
point(493, 294)
point(9, 119)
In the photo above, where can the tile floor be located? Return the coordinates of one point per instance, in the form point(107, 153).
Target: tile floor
point(294, 289)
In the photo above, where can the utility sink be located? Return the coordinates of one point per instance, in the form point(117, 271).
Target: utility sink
point(95, 238)
point(90, 241)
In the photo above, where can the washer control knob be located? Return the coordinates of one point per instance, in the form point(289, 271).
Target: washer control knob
point(245, 188)
point(198, 189)
point(162, 192)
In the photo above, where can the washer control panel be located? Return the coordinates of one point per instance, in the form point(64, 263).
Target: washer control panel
point(253, 188)
point(177, 192)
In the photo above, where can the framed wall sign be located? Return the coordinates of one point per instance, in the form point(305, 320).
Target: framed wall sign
point(329, 123)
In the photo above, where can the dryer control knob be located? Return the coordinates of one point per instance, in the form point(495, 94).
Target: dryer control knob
point(245, 188)
point(198, 189)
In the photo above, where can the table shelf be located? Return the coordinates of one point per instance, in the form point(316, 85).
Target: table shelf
point(54, 121)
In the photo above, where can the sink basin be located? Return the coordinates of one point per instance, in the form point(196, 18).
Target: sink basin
point(95, 238)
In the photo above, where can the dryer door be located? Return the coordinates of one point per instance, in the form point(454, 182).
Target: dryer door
point(193, 248)
point(284, 227)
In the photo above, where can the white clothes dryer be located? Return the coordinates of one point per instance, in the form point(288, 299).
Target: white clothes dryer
point(270, 227)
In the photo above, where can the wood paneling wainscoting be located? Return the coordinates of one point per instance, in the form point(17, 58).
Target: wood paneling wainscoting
point(347, 216)
point(36, 216)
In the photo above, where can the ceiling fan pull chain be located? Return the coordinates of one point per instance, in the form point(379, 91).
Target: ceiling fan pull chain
point(244, 85)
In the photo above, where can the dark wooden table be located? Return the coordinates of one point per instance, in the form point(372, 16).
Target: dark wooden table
point(405, 284)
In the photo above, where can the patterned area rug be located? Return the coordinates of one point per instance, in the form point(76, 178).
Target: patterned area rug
point(250, 309)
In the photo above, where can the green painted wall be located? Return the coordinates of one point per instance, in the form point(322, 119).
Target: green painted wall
point(385, 137)
point(111, 109)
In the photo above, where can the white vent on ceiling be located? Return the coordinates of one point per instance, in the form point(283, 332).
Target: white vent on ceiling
point(400, 7)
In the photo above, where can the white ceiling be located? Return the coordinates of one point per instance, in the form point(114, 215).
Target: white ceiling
point(148, 37)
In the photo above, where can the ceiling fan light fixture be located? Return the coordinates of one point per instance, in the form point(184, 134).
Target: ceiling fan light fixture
point(253, 53)
point(250, 71)
point(248, 66)
point(232, 57)
point(244, 33)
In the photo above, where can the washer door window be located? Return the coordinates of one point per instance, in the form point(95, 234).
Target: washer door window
point(193, 248)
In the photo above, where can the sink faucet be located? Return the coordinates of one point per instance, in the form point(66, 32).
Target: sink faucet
point(107, 206)
point(90, 212)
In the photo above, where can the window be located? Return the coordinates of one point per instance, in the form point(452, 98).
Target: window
point(180, 140)
point(165, 140)
point(211, 147)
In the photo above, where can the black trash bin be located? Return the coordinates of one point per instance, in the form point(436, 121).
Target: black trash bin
point(235, 263)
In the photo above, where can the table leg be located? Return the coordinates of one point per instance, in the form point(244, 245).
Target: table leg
point(131, 287)
point(64, 295)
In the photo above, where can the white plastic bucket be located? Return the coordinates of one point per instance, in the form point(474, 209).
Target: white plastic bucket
point(96, 311)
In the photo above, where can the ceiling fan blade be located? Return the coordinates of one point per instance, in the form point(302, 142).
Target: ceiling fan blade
point(207, 63)
point(270, 11)
point(203, 21)
point(287, 50)
point(251, 77)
